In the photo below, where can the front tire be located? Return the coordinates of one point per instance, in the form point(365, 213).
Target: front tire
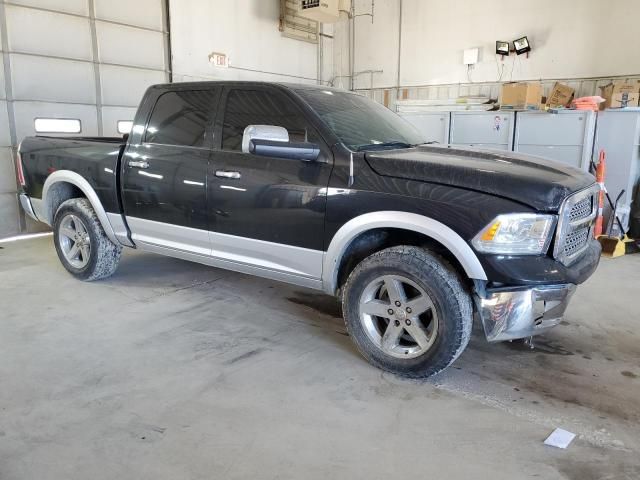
point(81, 243)
point(408, 311)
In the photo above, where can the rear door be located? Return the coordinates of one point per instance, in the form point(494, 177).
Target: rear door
point(165, 173)
point(269, 212)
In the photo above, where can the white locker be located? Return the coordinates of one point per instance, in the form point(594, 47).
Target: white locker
point(434, 126)
point(566, 136)
point(492, 130)
point(618, 134)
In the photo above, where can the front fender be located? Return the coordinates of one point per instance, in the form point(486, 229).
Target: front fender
point(400, 220)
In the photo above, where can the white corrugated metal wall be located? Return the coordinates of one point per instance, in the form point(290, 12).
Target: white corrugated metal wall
point(84, 59)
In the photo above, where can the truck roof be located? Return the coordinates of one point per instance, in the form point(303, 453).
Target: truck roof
point(212, 83)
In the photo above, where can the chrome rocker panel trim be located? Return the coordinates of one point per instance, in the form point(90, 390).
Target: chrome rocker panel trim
point(402, 220)
point(508, 314)
point(290, 264)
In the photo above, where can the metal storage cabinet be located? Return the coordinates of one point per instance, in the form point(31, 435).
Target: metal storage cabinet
point(566, 136)
point(618, 134)
point(483, 129)
point(434, 126)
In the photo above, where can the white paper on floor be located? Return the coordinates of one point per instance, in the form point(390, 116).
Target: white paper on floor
point(560, 438)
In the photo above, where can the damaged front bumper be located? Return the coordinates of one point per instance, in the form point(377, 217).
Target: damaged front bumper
point(512, 313)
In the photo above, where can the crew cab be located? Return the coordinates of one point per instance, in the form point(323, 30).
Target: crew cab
point(328, 190)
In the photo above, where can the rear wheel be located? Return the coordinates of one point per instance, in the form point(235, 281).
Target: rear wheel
point(408, 311)
point(81, 243)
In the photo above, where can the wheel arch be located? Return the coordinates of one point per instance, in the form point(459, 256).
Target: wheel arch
point(412, 223)
point(63, 185)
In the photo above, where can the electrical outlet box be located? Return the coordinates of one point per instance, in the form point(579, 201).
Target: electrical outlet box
point(470, 56)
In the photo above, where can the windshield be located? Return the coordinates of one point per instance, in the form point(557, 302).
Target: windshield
point(360, 123)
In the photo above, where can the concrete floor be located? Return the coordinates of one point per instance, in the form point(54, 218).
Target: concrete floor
point(174, 370)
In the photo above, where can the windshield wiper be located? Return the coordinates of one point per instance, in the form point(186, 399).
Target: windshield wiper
point(375, 146)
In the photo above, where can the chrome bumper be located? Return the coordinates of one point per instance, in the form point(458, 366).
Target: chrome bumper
point(27, 207)
point(519, 313)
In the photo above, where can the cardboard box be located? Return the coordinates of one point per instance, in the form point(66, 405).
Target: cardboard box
point(521, 96)
point(620, 94)
point(560, 96)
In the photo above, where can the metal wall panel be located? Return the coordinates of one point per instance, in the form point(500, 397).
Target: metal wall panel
point(130, 46)
point(3, 94)
point(112, 115)
point(79, 7)
point(49, 33)
point(7, 171)
point(52, 79)
point(5, 138)
point(143, 13)
point(90, 60)
point(26, 112)
point(123, 86)
point(9, 214)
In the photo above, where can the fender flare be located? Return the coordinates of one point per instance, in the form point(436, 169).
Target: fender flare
point(401, 220)
point(77, 180)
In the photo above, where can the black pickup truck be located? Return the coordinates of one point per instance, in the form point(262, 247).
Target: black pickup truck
point(328, 190)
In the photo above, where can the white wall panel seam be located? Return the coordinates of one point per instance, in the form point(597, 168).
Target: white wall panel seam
point(6, 62)
point(71, 14)
point(96, 66)
point(58, 57)
point(167, 41)
point(8, 94)
point(63, 102)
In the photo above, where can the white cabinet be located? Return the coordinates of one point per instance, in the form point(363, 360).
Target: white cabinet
point(566, 137)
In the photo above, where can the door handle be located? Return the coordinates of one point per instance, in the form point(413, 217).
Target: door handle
point(138, 164)
point(227, 174)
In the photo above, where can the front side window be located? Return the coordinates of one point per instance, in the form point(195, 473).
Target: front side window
point(182, 118)
point(260, 107)
point(360, 123)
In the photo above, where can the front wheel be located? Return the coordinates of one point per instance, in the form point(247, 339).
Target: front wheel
point(408, 311)
point(81, 243)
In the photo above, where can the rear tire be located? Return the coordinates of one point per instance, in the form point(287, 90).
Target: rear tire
point(81, 243)
point(408, 311)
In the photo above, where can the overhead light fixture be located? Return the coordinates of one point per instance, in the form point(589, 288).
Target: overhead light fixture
point(502, 48)
point(521, 45)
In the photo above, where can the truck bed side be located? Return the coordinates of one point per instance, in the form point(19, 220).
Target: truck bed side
point(94, 159)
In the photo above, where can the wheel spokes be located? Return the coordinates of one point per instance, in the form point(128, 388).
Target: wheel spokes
point(376, 307)
point(392, 335)
point(68, 232)
point(73, 252)
point(395, 289)
point(419, 305)
point(417, 333)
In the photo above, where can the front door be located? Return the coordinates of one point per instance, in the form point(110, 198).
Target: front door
point(165, 175)
point(269, 212)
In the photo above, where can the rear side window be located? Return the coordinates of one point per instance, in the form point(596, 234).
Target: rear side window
point(260, 107)
point(182, 118)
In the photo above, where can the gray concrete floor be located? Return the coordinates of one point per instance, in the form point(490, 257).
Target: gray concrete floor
point(172, 370)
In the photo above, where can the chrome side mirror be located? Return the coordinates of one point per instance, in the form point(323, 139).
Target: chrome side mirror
point(263, 132)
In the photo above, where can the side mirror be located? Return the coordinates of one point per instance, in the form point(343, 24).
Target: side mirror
point(304, 151)
point(263, 132)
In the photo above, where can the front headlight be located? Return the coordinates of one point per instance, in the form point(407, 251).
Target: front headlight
point(516, 234)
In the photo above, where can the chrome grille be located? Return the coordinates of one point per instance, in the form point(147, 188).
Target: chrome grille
point(581, 210)
point(575, 241)
point(575, 224)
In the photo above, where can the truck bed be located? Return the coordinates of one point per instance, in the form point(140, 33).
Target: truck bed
point(96, 159)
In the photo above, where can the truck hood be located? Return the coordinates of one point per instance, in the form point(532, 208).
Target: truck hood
point(534, 181)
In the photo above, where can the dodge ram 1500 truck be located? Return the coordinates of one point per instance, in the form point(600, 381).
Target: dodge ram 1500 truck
point(328, 190)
